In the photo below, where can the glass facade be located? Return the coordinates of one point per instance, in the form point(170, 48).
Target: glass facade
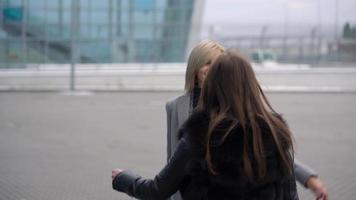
point(55, 31)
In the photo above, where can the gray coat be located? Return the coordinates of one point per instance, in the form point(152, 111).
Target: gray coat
point(178, 111)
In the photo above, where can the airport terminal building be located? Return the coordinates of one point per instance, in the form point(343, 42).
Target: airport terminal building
point(108, 31)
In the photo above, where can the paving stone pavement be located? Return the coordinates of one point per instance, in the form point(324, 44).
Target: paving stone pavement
point(55, 146)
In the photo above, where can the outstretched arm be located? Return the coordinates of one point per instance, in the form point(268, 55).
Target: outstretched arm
point(165, 183)
point(303, 172)
point(309, 179)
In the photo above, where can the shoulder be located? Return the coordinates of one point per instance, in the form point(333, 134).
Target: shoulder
point(280, 117)
point(177, 100)
point(196, 125)
point(197, 119)
point(264, 125)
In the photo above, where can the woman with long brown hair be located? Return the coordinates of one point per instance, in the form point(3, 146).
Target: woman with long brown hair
point(180, 108)
point(234, 145)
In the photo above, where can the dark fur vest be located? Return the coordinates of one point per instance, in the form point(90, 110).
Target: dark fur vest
point(230, 183)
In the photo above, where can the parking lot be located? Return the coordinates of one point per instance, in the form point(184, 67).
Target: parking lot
point(62, 146)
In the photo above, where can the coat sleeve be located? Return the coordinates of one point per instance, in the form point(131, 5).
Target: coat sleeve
point(303, 172)
point(165, 183)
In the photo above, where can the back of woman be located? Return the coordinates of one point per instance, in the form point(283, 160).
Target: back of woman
point(229, 182)
point(234, 145)
point(240, 147)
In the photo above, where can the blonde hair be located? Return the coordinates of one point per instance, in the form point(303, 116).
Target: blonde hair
point(201, 55)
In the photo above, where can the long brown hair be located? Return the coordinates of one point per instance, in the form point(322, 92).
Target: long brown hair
point(232, 91)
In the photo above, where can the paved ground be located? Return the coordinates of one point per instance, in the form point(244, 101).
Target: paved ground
point(63, 147)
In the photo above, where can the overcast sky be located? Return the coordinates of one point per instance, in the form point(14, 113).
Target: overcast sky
point(277, 11)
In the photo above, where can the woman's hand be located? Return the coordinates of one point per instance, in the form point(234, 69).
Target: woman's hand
point(318, 188)
point(115, 172)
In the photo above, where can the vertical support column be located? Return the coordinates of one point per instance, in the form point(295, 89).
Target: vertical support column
point(1, 14)
point(89, 24)
point(74, 35)
point(313, 44)
point(336, 27)
point(1, 25)
point(196, 25)
point(110, 29)
point(155, 50)
point(286, 31)
point(118, 18)
point(60, 17)
point(24, 23)
point(319, 32)
point(301, 50)
point(117, 43)
point(263, 38)
point(7, 41)
point(130, 37)
point(46, 31)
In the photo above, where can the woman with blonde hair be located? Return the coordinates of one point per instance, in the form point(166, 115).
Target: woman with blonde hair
point(234, 146)
point(179, 109)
